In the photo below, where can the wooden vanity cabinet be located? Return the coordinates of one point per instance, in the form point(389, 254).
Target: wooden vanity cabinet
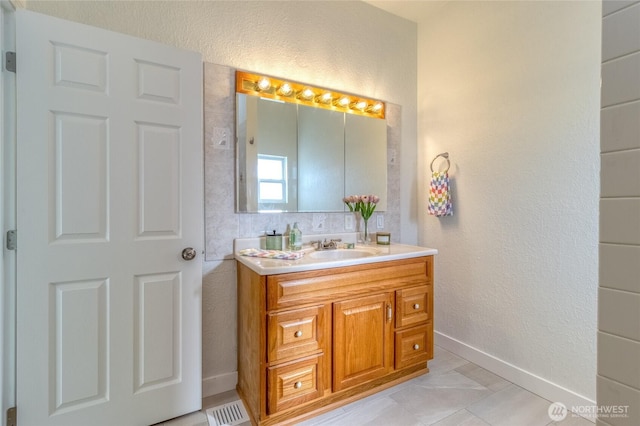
point(309, 342)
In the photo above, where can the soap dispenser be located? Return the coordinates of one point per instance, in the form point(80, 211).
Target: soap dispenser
point(295, 238)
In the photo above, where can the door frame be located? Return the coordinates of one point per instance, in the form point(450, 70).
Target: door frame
point(7, 214)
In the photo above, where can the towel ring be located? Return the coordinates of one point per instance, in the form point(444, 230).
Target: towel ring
point(444, 155)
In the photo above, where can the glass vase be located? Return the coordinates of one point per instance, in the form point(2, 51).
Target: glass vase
point(366, 238)
point(357, 217)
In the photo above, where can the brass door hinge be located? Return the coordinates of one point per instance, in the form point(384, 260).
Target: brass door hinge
point(12, 416)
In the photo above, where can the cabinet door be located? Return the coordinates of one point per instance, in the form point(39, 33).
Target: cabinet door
point(362, 339)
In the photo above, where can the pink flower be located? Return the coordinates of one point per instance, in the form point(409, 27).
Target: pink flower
point(366, 204)
point(353, 202)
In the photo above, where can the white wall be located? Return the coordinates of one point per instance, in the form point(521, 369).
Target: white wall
point(511, 91)
point(348, 46)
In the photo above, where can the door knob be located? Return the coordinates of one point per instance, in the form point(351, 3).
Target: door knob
point(189, 253)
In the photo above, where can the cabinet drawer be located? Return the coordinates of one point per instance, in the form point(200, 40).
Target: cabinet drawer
point(294, 289)
point(296, 333)
point(294, 383)
point(414, 345)
point(413, 306)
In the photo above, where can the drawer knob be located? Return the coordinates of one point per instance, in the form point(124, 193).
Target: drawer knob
point(416, 347)
point(416, 306)
point(297, 385)
point(298, 333)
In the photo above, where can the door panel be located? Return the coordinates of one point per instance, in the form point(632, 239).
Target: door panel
point(79, 189)
point(109, 192)
point(157, 314)
point(78, 326)
point(159, 180)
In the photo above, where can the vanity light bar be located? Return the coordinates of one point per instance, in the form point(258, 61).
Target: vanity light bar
point(290, 91)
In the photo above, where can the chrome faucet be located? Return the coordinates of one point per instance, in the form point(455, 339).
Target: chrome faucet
point(326, 245)
point(317, 243)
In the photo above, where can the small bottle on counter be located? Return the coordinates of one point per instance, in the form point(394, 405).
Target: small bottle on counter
point(295, 238)
point(286, 236)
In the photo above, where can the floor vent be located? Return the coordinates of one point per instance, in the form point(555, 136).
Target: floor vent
point(229, 414)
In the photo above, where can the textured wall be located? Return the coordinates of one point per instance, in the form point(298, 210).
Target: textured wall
point(618, 380)
point(511, 91)
point(343, 45)
point(347, 46)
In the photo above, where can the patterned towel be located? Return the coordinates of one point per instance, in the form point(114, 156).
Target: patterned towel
point(439, 203)
point(272, 254)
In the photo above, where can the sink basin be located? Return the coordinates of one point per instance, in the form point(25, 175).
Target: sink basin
point(342, 254)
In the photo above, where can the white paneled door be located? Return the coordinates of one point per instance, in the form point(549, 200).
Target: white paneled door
point(109, 194)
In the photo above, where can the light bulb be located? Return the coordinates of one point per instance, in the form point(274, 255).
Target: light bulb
point(263, 84)
point(307, 93)
point(285, 89)
point(360, 105)
point(325, 98)
point(344, 101)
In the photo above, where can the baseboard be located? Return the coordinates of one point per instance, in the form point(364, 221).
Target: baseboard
point(514, 374)
point(214, 385)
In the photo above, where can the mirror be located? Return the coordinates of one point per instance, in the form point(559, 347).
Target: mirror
point(299, 158)
point(321, 160)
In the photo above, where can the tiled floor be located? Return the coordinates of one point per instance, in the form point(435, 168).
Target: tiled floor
point(454, 393)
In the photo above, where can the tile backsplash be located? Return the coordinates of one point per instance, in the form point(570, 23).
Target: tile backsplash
point(222, 223)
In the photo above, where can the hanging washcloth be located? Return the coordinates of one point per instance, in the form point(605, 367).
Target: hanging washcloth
point(439, 203)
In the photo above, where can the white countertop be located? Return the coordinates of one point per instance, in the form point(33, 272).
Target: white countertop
point(381, 253)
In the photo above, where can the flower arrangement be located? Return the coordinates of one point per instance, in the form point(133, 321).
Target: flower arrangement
point(366, 205)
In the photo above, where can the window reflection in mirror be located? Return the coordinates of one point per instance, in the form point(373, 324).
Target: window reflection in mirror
point(266, 130)
point(272, 179)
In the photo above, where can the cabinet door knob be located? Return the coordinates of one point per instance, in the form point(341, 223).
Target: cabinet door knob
point(389, 312)
point(416, 306)
point(298, 333)
point(416, 347)
point(297, 385)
